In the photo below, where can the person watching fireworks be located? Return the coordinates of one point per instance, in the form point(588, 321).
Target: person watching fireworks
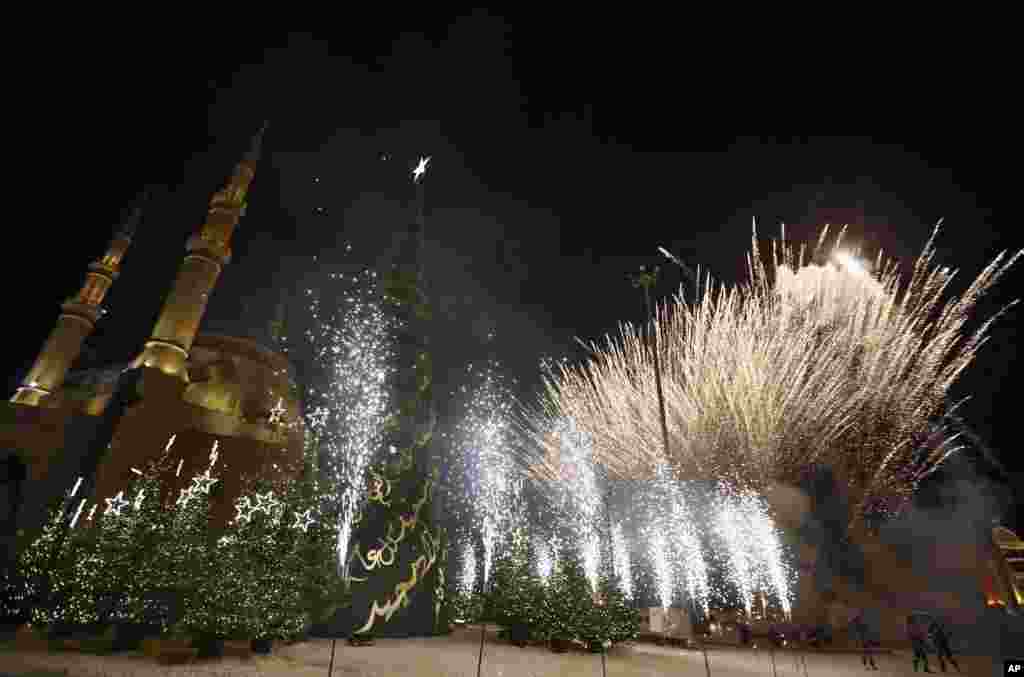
point(918, 642)
point(862, 633)
point(940, 640)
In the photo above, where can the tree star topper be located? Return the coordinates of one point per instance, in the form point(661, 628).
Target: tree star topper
point(421, 169)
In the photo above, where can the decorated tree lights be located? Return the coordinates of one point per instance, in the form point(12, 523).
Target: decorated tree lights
point(147, 558)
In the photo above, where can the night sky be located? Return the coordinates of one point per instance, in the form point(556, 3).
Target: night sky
point(557, 170)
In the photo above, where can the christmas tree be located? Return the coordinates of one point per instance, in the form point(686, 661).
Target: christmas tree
point(616, 618)
point(569, 602)
point(517, 594)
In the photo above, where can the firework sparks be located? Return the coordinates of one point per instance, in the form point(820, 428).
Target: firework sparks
point(659, 556)
point(355, 347)
point(800, 366)
point(621, 560)
point(753, 550)
point(482, 450)
point(688, 553)
point(467, 576)
point(546, 553)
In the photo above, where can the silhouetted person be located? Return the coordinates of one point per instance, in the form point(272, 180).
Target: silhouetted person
point(918, 638)
point(941, 642)
point(862, 633)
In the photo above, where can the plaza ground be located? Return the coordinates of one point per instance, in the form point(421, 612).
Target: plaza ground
point(456, 656)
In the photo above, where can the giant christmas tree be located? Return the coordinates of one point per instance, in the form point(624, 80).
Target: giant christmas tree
point(397, 555)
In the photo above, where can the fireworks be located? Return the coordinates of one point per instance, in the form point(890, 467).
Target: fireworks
point(661, 564)
point(546, 557)
point(621, 560)
point(353, 345)
point(483, 438)
point(687, 551)
point(467, 576)
point(801, 366)
point(752, 549)
point(571, 480)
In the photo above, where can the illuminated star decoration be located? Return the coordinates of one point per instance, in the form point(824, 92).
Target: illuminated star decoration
point(245, 509)
point(202, 483)
point(421, 169)
point(115, 504)
point(276, 412)
point(303, 520)
point(266, 503)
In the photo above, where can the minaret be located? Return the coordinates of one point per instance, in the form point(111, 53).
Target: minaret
point(209, 250)
point(77, 320)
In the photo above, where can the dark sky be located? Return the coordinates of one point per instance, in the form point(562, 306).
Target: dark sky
point(560, 163)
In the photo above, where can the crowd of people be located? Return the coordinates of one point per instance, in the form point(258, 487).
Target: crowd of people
point(927, 635)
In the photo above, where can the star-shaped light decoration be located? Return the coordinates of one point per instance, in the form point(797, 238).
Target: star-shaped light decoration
point(277, 412)
point(185, 496)
point(214, 454)
point(245, 509)
point(268, 505)
point(115, 504)
point(304, 520)
point(421, 169)
point(202, 483)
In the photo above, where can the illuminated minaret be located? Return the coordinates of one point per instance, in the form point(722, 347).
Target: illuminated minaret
point(209, 250)
point(77, 320)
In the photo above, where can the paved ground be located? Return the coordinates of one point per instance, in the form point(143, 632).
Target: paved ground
point(456, 656)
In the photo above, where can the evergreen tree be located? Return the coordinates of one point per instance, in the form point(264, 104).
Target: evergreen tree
point(617, 619)
point(517, 594)
point(569, 601)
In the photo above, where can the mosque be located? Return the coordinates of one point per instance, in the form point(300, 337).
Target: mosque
point(193, 388)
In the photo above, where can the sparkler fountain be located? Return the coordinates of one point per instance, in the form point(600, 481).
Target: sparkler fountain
point(354, 344)
point(622, 562)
